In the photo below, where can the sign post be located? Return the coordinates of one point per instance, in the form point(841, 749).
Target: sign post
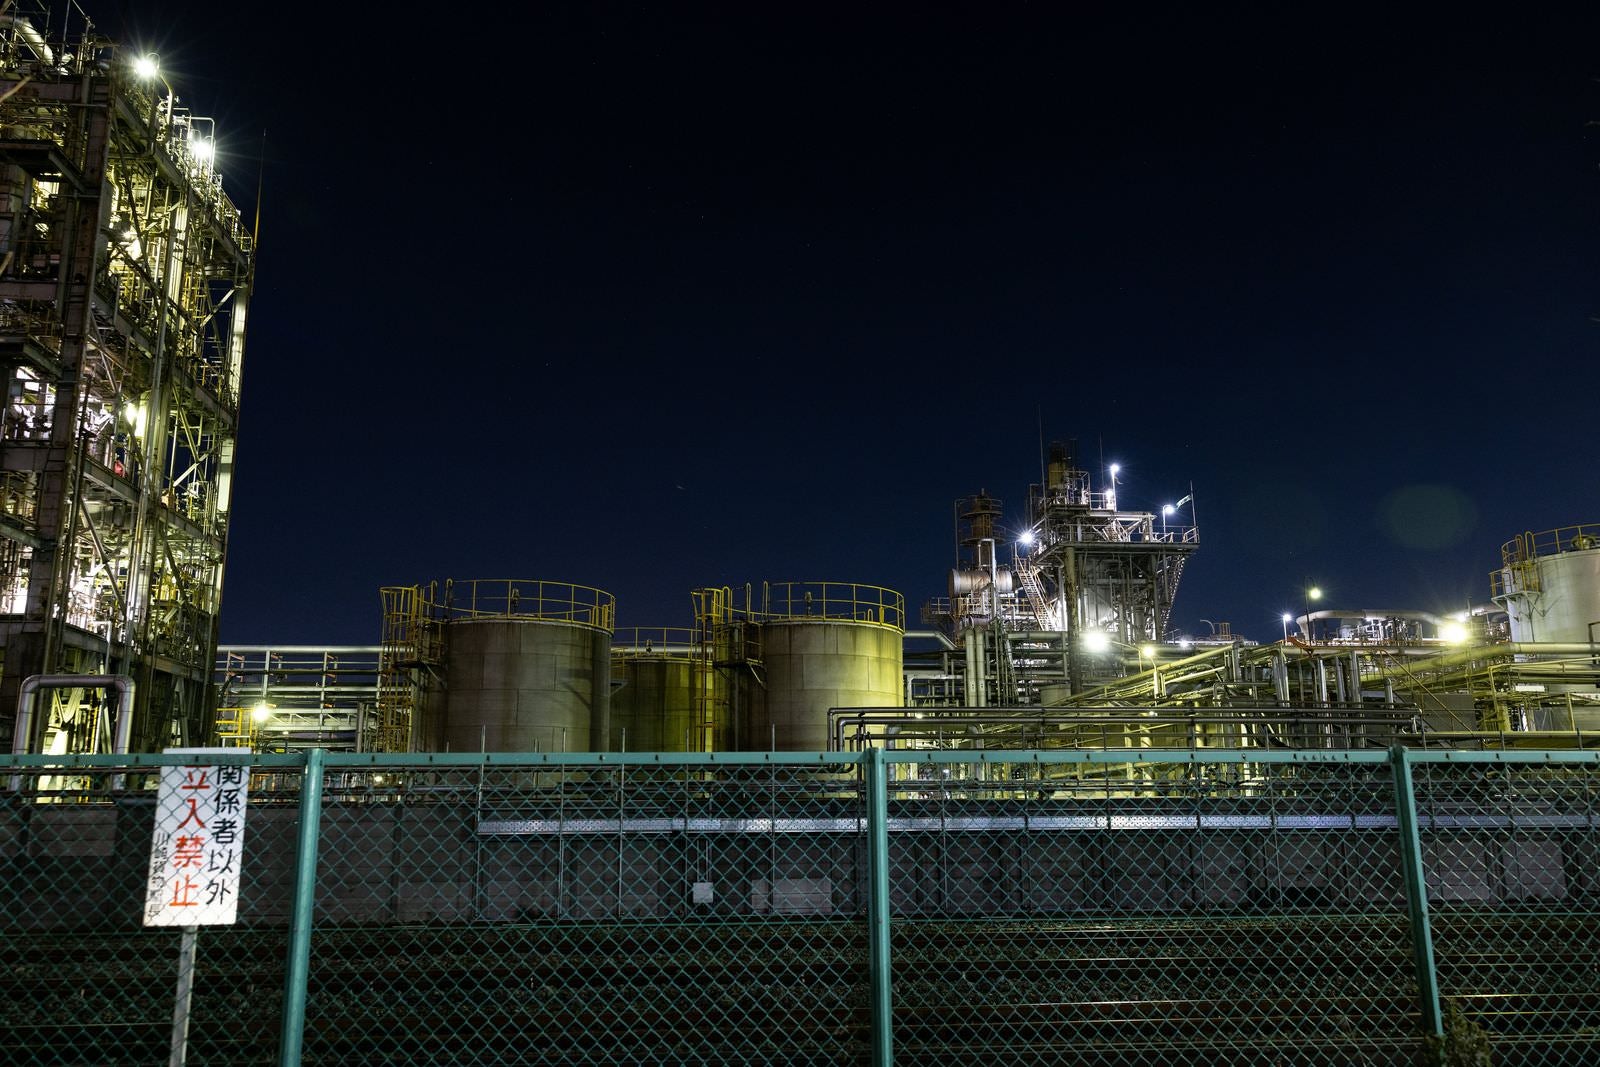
point(195, 858)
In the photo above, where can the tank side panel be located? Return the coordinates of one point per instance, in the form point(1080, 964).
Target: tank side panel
point(522, 686)
point(814, 666)
point(1568, 600)
point(656, 706)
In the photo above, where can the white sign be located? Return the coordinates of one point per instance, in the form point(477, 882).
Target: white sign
point(198, 843)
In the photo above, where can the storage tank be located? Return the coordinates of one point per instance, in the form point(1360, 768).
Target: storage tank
point(526, 667)
point(1549, 584)
point(655, 704)
point(824, 645)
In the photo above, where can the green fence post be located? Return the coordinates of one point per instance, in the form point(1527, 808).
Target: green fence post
point(1416, 891)
point(878, 906)
point(298, 969)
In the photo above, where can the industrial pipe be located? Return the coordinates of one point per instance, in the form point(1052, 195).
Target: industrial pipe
point(123, 733)
point(937, 635)
point(1485, 652)
point(1373, 613)
point(32, 37)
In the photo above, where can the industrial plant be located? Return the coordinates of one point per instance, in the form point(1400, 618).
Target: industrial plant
point(1026, 820)
point(1052, 632)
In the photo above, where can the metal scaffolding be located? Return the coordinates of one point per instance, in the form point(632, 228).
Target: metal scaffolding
point(125, 274)
point(1085, 577)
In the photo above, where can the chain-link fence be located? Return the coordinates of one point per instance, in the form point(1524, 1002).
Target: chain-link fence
point(82, 979)
point(1170, 907)
point(1511, 850)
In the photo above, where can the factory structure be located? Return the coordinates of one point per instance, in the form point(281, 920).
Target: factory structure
point(125, 276)
point(1052, 632)
point(1026, 819)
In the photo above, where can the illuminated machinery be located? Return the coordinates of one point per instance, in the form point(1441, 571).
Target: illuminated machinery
point(125, 272)
point(1088, 586)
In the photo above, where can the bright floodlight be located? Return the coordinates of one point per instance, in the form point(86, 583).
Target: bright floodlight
point(1025, 538)
point(1148, 651)
point(1453, 633)
point(202, 149)
point(1287, 617)
point(146, 67)
point(1096, 641)
point(1116, 468)
point(1167, 509)
point(1315, 593)
point(261, 713)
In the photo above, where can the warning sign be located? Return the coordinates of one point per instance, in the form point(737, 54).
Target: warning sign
point(198, 843)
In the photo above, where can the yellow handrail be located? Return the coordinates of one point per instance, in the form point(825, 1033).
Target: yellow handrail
point(795, 601)
point(520, 598)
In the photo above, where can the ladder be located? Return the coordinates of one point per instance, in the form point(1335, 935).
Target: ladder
point(1028, 576)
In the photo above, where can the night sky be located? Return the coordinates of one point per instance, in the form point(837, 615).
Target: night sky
point(652, 297)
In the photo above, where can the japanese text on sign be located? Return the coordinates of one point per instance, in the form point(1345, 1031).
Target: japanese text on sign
point(197, 845)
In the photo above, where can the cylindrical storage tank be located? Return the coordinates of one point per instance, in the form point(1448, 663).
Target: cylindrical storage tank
point(824, 645)
point(655, 705)
point(1549, 584)
point(526, 666)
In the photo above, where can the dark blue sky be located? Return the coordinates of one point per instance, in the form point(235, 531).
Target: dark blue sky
point(649, 299)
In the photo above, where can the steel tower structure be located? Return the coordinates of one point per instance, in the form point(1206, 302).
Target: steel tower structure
point(125, 274)
point(1086, 578)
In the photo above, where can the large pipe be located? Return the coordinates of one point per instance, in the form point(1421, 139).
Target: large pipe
point(906, 720)
point(21, 738)
point(30, 36)
point(1487, 652)
point(1374, 613)
point(937, 635)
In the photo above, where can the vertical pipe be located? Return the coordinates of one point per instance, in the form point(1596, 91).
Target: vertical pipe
point(298, 965)
point(1416, 892)
point(878, 907)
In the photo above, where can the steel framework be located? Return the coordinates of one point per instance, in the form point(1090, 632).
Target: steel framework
point(125, 274)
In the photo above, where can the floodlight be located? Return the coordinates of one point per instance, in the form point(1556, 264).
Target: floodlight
point(261, 713)
point(1096, 641)
point(147, 67)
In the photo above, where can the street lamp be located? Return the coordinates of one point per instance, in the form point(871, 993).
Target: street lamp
point(1286, 618)
point(1166, 509)
point(1313, 592)
point(1111, 497)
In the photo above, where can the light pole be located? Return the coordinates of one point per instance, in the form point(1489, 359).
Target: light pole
point(145, 68)
point(1111, 497)
point(1286, 618)
point(1312, 592)
point(1166, 509)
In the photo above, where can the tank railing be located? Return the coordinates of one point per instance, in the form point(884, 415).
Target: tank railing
point(636, 641)
point(513, 598)
point(1531, 545)
point(844, 601)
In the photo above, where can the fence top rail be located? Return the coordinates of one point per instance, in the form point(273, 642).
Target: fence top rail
point(441, 760)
